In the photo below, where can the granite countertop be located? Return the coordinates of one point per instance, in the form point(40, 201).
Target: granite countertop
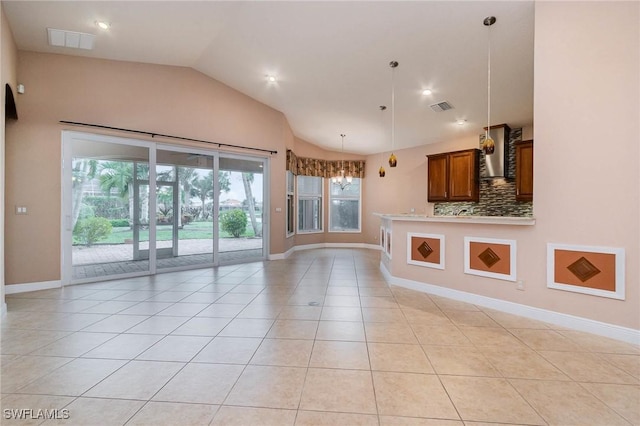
point(483, 220)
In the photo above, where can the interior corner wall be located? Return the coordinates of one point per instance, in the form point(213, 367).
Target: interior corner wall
point(8, 61)
point(403, 187)
point(163, 99)
point(289, 242)
point(586, 125)
point(303, 148)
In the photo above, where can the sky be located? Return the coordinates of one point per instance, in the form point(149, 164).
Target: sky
point(237, 188)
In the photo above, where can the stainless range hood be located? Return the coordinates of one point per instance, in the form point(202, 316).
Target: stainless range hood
point(497, 163)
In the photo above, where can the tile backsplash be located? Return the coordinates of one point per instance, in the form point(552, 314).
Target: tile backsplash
point(497, 195)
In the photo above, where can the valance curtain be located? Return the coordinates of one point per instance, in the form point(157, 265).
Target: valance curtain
point(353, 168)
point(292, 162)
point(323, 168)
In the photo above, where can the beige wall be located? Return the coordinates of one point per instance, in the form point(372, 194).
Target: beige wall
point(163, 99)
point(8, 61)
point(170, 100)
point(586, 173)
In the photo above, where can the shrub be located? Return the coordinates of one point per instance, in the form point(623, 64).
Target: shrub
point(194, 211)
point(119, 223)
point(234, 222)
point(187, 219)
point(86, 210)
point(92, 229)
point(110, 207)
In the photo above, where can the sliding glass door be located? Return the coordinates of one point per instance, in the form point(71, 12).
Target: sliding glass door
point(185, 200)
point(106, 209)
point(241, 212)
point(134, 208)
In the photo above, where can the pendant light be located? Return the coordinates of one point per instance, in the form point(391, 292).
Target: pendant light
point(340, 179)
point(488, 146)
point(393, 161)
point(381, 171)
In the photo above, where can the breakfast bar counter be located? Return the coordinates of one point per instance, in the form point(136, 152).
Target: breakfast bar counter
point(467, 219)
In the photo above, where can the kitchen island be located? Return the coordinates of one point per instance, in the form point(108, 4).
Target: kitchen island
point(475, 259)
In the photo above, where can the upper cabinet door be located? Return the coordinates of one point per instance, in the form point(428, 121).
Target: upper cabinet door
point(438, 185)
point(463, 176)
point(524, 171)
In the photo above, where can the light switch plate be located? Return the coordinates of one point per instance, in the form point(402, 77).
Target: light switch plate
point(21, 209)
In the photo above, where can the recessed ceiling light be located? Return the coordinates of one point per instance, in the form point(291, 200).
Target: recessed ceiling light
point(426, 92)
point(461, 122)
point(271, 78)
point(103, 25)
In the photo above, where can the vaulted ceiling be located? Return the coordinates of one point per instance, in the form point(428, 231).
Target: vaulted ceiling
point(330, 58)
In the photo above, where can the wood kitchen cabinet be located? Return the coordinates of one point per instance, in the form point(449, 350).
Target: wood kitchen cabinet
point(524, 170)
point(438, 183)
point(454, 176)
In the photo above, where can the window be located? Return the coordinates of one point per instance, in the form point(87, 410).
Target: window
point(309, 204)
point(344, 207)
point(290, 203)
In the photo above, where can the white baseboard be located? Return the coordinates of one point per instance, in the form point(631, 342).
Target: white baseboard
point(285, 255)
point(338, 245)
point(22, 288)
point(612, 331)
point(282, 256)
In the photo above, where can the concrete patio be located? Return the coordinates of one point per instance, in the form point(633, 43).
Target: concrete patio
point(114, 259)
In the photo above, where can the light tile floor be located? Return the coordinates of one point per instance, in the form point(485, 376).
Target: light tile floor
point(318, 339)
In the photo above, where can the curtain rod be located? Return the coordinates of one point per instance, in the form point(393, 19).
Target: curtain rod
point(152, 134)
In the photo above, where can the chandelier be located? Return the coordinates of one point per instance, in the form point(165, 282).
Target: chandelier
point(340, 179)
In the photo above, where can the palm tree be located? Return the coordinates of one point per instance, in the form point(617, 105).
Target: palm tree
point(83, 172)
point(203, 188)
point(224, 180)
point(247, 180)
point(118, 176)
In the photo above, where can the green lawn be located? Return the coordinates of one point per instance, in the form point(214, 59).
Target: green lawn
point(191, 231)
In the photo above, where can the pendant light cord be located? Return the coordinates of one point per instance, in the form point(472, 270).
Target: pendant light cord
point(342, 168)
point(489, 86)
point(382, 109)
point(393, 108)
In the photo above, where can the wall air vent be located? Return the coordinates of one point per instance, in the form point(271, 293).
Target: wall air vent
point(441, 106)
point(72, 39)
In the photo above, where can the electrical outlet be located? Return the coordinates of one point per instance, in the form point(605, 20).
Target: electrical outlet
point(520, 285)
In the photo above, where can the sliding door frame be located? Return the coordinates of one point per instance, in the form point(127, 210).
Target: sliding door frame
point(66, 233)
point(266, 176)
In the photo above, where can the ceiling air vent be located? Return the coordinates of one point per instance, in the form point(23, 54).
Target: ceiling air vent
point(441, 106)
point(71, 39)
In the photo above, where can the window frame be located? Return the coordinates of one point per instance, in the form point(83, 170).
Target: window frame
point(309, 196)
point(291, 194)
point(350, 198)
